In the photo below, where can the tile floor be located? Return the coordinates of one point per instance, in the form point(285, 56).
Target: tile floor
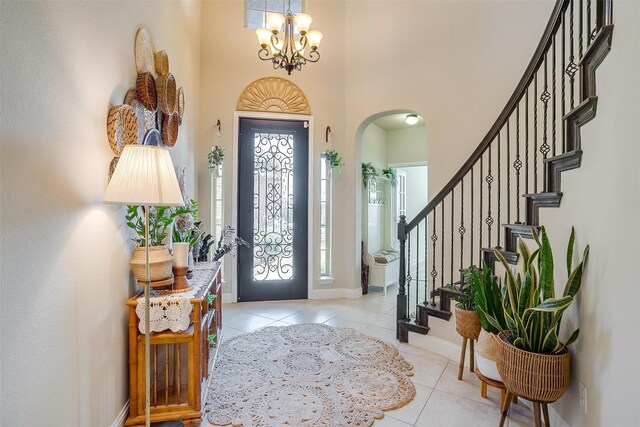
point(441, 400)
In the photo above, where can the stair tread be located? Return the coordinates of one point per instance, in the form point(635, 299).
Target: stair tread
point(568, 154)
point(588, 102)
point(422, 330)
point(601, 37)
point(543, 195)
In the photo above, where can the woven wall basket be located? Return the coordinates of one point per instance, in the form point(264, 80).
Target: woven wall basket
point(467, 323)
point(180, 102)
point(170, 125)
point(532, 376)
point(122, 128)
point(162, 63)
point(112, 166)
point(160, 263)
point(144, 52)
point(167, 94)
point(130, 96)
point(146, 91)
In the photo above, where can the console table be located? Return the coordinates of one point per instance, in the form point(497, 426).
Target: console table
point(181, 348)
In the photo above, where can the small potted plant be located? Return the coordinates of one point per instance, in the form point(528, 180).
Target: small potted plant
point(467, 321)
point(183, 235)
point(533, 362)
point(491, 315)
point(160, 260)
point(390, 174)
point(214, 159)
point(368, 172)
point(334, 159)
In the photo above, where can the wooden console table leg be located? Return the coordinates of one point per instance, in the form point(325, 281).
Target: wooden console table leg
point(462, 356)
point(471, 357)
point(505, 408)
point(536, 414)
point(545, 412)
point(483, 389)
point(503, 394)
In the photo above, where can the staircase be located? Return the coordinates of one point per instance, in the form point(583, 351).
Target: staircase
point(516, 169)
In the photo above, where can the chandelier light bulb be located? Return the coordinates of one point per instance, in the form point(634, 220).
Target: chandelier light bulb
point(411, 119)
point(274, 22)
point(313, 38)
point(303, 22)
point(264, 36)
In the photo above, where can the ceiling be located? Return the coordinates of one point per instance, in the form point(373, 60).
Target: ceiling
point(396, 121)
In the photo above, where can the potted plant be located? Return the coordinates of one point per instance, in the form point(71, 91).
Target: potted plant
point(467, 321)
point(214, 159)
point(533, 362)
point(228, 244)
point(489, 293)
point(160, 260)
point(334, 159)
point(390, 174)
point(368, 171)
point(185, 232)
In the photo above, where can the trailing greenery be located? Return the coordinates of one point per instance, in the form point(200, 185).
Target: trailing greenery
point(368, 171)
point(533, 313)
point(465, 297)
point(215, 158)
point(489, 295)
point(334, 159)
point(390, 174)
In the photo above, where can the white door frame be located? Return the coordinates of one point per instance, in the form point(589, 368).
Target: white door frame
point(234, 193)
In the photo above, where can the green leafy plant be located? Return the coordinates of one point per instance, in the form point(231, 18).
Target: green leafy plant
point(390, 174)
point(228, 244)
point(185, 228)
point(533, 313)
point(160, 218)
point(334, 159)
point(215, 158)
point(489, 295)
point(368, 171)
point(465, 296)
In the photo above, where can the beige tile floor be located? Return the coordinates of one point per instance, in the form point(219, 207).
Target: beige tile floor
point(441, 400)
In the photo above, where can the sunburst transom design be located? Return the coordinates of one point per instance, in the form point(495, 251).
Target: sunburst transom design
point(274, 95)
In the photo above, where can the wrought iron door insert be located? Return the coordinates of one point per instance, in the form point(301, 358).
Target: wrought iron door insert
point(272, 207)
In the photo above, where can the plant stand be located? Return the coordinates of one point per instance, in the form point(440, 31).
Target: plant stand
point(495, 384)
point(540, 409)
point(463, 354)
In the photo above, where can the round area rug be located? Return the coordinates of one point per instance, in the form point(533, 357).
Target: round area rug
point(310, 375)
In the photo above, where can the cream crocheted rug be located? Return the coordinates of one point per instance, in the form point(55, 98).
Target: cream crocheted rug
point(309, 375)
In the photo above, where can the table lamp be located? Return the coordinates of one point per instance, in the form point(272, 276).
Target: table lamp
point(145, 177)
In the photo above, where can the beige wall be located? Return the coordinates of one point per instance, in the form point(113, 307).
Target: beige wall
point(602, 200)
point(407, 145)
point(64, 256)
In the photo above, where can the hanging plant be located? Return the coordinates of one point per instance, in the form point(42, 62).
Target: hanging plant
point(368, 171)
point(390, 174)
point(216, 156)
point(334, 159)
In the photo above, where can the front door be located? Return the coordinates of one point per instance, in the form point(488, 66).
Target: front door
point(272, 209)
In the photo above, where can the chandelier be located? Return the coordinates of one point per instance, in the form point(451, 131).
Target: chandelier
point(288, 50)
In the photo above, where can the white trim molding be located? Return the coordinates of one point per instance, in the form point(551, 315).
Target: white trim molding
point(335, 293)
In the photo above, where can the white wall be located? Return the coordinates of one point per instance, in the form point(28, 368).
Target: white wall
point(64, 255)
point(602, 200)
point(417, 189)
point(407, 145)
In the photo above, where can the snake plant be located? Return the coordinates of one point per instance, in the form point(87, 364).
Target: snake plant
point(532, 311)
point(489, 294)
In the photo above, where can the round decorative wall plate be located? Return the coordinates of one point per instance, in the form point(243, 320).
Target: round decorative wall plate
point(162, 63)
point(167, 94)
point(122, 127)
point(146, 91)
point(180, 102)
point(144, 52)
point(170, 124)
point(153, 138)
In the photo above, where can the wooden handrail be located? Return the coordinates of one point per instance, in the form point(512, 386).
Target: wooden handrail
point(538, 57)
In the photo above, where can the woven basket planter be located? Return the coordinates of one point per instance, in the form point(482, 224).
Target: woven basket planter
point(487, 351)
point(146, 91)
point(167, 94)
point(160, 263)
point(467, 323)
point(537, 377)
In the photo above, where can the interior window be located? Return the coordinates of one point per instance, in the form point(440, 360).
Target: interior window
point(256, 10)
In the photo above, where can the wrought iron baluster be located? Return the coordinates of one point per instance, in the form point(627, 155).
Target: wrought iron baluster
point(580, 27)
point(517, 164)
point(434, 273)
point(590, 35)
point(489, 180)
point(544, 97)
point(553, 98)
point(409, 278)
point(526, 143)
point(535, 133)
point(564, 78)
point(426, 259)
point(471, 221)
point(442, 242)
point(499, 185)
point(461, 229)
point(451, 231)
point(508, 166)
point(480, 212)
point(572, 67)
point(417, 267)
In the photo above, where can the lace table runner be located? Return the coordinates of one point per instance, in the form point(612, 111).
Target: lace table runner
point(171, 311)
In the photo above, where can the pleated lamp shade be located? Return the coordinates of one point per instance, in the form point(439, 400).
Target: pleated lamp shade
point(144, 176)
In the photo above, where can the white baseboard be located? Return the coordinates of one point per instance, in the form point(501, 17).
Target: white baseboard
point(335, 293)
point(437, 345)
point(122, 416)
point(227, 298)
